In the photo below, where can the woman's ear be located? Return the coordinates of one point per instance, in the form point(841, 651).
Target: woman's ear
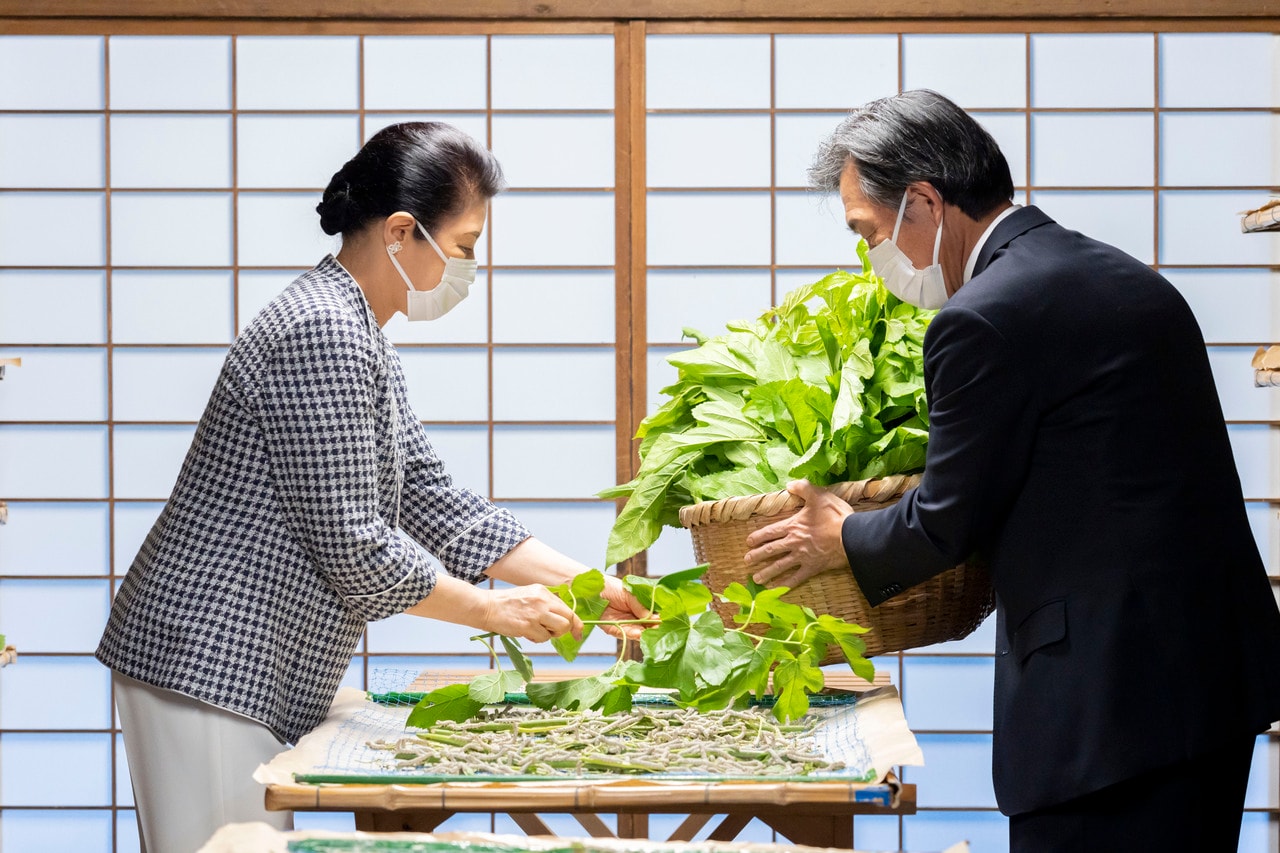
point(397, 228)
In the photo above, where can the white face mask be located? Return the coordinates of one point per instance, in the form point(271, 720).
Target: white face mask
point(459, 275)
point(922, 288)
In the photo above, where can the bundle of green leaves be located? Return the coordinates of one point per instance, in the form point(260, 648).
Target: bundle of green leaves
point(827, 386)
point(688, 652)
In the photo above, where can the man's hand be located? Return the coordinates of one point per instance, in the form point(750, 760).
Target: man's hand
point(806, 544)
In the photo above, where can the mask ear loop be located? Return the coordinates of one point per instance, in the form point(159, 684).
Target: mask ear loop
point(937, 242)
point(902, 208)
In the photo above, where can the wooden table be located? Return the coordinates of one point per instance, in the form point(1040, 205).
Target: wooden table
point(819, 814)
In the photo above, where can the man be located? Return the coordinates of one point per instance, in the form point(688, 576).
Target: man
point(1077, 446)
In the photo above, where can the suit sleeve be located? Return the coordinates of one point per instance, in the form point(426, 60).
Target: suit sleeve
point(981, 427)
point(316, 404)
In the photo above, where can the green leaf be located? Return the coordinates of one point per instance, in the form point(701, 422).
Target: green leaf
point(452, 702)
point(492, 687)
point(574, 694)
point(582, 595)
point(518, 659)
point(790, 681)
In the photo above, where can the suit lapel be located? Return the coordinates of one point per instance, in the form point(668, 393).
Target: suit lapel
point(1014, 226)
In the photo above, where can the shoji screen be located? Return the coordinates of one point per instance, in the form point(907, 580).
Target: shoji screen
point(1151, 142)
point(155, 193)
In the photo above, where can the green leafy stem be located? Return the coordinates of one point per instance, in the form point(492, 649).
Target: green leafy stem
point(688, 652)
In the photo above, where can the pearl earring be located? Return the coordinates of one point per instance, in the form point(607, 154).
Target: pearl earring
point(394, 248)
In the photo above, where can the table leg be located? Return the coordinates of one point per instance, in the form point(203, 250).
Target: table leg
point(633, 826)
point(410, 821)
point(814, 830)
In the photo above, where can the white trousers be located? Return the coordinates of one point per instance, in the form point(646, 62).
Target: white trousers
point(192, 766)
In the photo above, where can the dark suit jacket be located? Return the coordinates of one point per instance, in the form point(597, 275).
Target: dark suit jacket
point(1077, 445)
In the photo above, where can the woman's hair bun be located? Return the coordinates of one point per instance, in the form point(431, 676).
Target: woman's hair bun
point(338, 210)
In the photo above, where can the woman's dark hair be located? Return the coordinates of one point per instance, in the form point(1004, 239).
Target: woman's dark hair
point(427, 168)
point(916, 136)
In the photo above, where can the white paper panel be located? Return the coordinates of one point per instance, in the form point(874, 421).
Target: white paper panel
point(948, 694)
point(553, 306)
point(153, 306)
point(1122, 219)
point(578, 530)
point(180, 151)
point(133, 521)
point(447, 384)
point(1204, 228)
point(255, 288)
point(297, 72)
point(54, 539)
point(690, 71)
point(1091, 70)
point(1218, 296)
point(704, 300)
point(984, 830)
point(26, 239)
point(1010, 132)
point(26, 473)
point(163, 384)
point(553, 229)
point(465, 453)
point(294, 151)
point(170, 72)
point(981, 641)
point(142, 229)
point(1220, 149)
point(788, 280)
point(33, 772)
point(842, 71)
point(475, 126)
point(949, 64)
point(673, 552)
point(552, 72)
point(1262, 792)
point(1093, 149)
point(148, 458)
point(708, 151)
point(1233, 375)
point(51, 73)
point(796, 140)
point(55, 385)
point(553, 384)
point(722, 228)
point(82, 677)
point(1257, 454)
point(25, 296)
point(552, 462)
point(395, 76)
point(465, 324)
point(49, 151)
point(282, 230)
point(811, 230)
point(61, 829)
point(555, 151)
point(948, 779)
point(73, 625)
point(1219, 70)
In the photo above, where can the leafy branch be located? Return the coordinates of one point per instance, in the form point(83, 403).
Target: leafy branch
point(689, 652)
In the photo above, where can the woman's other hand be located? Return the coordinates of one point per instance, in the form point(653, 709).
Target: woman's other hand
point(623, 606)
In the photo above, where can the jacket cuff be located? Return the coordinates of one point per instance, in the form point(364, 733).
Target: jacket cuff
point(467, 555)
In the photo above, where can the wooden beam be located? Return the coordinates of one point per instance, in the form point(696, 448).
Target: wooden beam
point(544, 10)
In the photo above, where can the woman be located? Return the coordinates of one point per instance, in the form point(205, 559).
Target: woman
point(239, 616)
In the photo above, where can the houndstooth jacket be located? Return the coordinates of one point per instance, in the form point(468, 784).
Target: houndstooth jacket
point(277, 545)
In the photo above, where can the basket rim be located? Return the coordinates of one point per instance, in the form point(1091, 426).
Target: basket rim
point(872, 490)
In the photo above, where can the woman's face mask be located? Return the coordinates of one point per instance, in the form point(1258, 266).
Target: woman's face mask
point(455, 283)
point(923, 288)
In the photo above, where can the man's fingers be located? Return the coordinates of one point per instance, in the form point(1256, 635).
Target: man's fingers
point(804, 490)
point(767, 534)
point(770, 573)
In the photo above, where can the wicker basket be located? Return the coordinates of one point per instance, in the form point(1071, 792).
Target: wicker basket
point(945, 607)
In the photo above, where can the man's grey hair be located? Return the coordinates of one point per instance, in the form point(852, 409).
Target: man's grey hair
point(917, 135)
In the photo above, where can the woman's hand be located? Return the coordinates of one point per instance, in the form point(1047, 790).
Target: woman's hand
point(530, 612)
point(623, 606)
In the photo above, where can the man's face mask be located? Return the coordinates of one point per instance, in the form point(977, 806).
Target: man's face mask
point(455, 283)
point(922, 288)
